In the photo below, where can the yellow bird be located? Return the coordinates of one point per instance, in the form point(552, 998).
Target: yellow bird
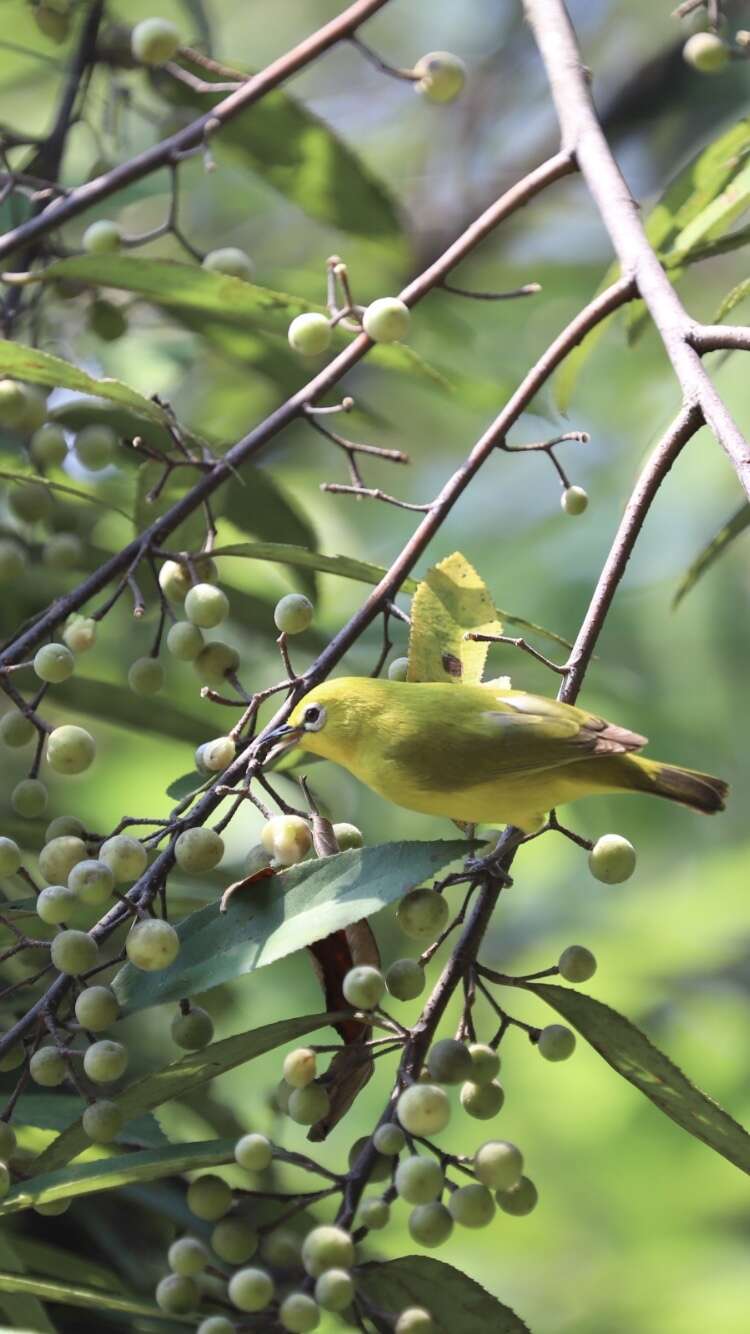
point(479, 754)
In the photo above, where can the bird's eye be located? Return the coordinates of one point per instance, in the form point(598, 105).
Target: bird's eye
point(314, 717)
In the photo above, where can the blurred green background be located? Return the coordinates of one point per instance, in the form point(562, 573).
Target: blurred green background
point(639, 1227)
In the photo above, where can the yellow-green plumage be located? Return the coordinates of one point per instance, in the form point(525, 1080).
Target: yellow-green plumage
point(479, 754)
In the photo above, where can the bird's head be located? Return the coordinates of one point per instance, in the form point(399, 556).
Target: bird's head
point(329, 721)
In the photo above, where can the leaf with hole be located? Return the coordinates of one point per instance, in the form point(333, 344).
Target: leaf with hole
point(451, 600)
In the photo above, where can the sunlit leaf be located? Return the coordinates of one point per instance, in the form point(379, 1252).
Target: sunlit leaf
point(28, 363)
point(732, 299)
point(72, 1294)
point(720, 543)
point(455, 1301)
point(301, 558)
point(449, 601)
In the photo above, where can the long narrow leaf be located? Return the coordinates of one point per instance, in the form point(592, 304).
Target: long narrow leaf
point(718, 545)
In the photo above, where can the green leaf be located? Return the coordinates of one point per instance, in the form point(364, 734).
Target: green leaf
point(181, 1076)
point(23, 1308)
point(116, 704)
point(61, 488)
point(255, 503)
point(186, 784)
point(73, 1294)
point(54, 1262)
point(722, 540)
point(633, 1056)
point(451, 599)
point(301, 558)
point(283, 913)
point(732, 299)
point(455, 1301)
point(28, 363)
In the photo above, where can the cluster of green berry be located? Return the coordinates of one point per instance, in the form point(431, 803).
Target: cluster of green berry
point(709, 53)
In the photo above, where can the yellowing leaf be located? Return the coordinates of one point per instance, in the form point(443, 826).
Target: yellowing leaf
point(450, 600)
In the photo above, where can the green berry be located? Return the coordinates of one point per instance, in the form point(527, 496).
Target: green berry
point(70, 749)
point(29, 798)
point(389, 1139)
point(498, 1164)
point(106, 320)
point(209, 1197)
point(214, 661)
point(706, 52)
point(206, 606)
point(30, 501)
point(482, 1101)
point(215, 1324)
point(398, 669)
point(423, 1109)
point(54, 663)
point(251, 1289)
point(299, 1067)
point(286, 838)
point(231, 260)
point(217, 754)
point(154, 41)
point(310, 335)
point(102, 238)
point(146, 676)
point(152, 944)
point(16, 730)
point(520, 1200)
point(13, 1057)
point(63, 551)
point(234, 1241)
point(442, 76)
point(184, 641)
point(472, 1206)
point(419, 1179)
point(187, 1257)
point(193, 1030)
point(53, 23)
point(556, 1042)
point(105, 1061)
point(574, 500)
point(47, 1067)
point(58, 857)
point(422, 914)
point(52, 1208)
point(348, 836)
point(381, 1168)
point(10, 856)
point(7, 1140)
point(612, 859)
point(12, 562)
point(430, 1224)
point(485, 1063)
point(576, 964)
point(55, 904)
point(48, 447)
point(308, 1105)
point(34, 408)
point(175, 578)
point(198, 850)
point(102, 1121)
point(334, 1290)
point(449, 1062)
point(96, 1008)
point(12, 403)
point(92, 881)
point(281, 1096)
point(62, 825)
point(125, 856)
point(363, 986)
point(293, 613)
point(374, 1214)
point(299, 1313)
point(414, 1320)
point(253, 1152)
point(74, 952)
point(177, 1295)
point(386, 320)
point(80, 635)
point(282, 1248)
point(327, 1247)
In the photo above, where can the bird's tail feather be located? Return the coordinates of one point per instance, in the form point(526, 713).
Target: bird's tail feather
point(700, 791)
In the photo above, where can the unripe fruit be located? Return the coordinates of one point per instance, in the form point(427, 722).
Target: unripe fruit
point(106, 320)
point(293, 613)
point(13, 1057)
point(53, 23)
point(234, 1241)
point(29, 798)
point(74, 952)
point(472, 1206)
point(152, 944)
point(419, 1179)
point(80, 635)
point(251, 1289)
point(96, 1008)
point(47, 1067)
point(423, 1109)
point(62, 826)
point(389, 1139)
point(12, 403)
point(398, 669)
point(281, 1096)
point(193, 1030)
point(576, 964)
point(125, 857)
point(612, 859)
point(55, 904)
point(34, 408)
point(520, 1200)
point(282, 1248)
point(175, 578)
point(102, 238)
point(414, 1320)
point(206, 606)
point(334, 1290)
point(70, 749)
point(48, 447)
point(52, 1208)
point(102, 1121)
point(485, 1063)
point(309, 334)
point(405, 979)
point(374, 1214)
point(348, 836)
point(54, 663)
point(7, 1140)
point(10, 856)
point(58, 857)
point(381, 1167)
point(449, 1062)
point(154, 41)
point(62, 551)
point(299, 1313)
point(482, 1101)
point(187, 1257)
point(308, 1105)
point(556, 1042)
point(177, 1295)
point(16, 730)
point(209, 1197)
point(299, 1067)
point(287, 838)
point(498, 1164)
point(386, 320)
point(442, 76)
point(105, 1061)
point(12, 561)
point(363, 986)
point(706, 52)
point(215, 1324)
point(327, 1247)
point(30, 501)
point(253, 1152)
point(217, 754)
point(422, 914)
point(198, 850)
point(214, 661)
point(231, 260)
point(146, 676)
point(92, 881)
point(430, 1225)
point(4, 1180)
point(184, 641)
point(574, 500)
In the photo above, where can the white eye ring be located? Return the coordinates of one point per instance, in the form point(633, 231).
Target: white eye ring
point(314, 717)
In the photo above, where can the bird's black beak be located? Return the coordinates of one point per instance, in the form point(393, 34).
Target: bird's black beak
point(281, 740)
